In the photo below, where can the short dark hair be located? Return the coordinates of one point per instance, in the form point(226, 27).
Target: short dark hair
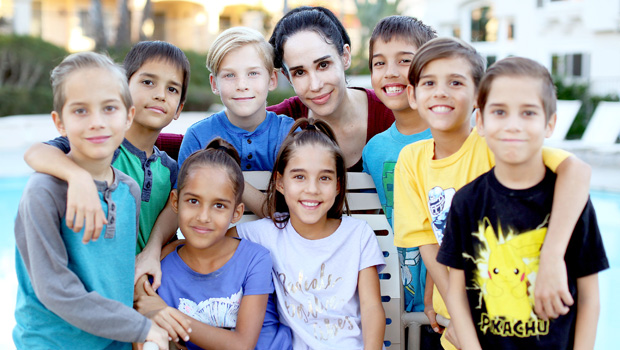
point(406, 28)
point(446, 48)
point(313, 132)
point(217, 153)
point(520, 67)
point(308, 18)
point(145, 51)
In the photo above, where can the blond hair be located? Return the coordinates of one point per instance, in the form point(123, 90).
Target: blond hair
point(234, 38)
point(85, 60)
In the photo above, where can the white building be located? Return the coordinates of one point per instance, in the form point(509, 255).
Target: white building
point(576, 39)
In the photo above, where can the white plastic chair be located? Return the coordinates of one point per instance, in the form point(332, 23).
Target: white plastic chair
point(604, 127)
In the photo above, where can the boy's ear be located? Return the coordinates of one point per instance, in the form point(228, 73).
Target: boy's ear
point(346, 56)
point(213, 82)
point(238, 213)
point(273, 80)
point(174, 200)
point(411, 96)
point(177, 114)
point(479, 122)
point(131, 113)
point(60, 126)
point(551, 125)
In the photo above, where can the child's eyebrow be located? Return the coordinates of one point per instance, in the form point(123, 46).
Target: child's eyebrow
point(190, 194)
point(155, 76)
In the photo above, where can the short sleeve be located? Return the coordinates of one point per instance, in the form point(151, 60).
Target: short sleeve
point(586, 252)
point(372, 255)
point(189, 145)
point(258, 279)
point(553, 157)
point(412, 227)
point(61, 142)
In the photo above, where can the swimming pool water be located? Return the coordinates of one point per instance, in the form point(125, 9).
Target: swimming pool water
point(607, 206)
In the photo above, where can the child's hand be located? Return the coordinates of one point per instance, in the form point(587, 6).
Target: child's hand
point(170, 319)
point(432, 318)
point(158, 336)
point(148, 263)
point(174, 322)
point(150, 303)
point(551, 294)
point(84, 207)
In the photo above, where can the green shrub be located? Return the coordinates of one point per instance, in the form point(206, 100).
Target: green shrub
point(199, 98)
point(278, 95)
point(25, 101)
point(25, 65)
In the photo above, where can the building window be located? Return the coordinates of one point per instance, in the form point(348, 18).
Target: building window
point(570, 65)
point(483, 25)
point(511, 30)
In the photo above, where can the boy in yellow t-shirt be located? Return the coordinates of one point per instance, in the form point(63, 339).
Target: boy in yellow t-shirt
point(443, 81)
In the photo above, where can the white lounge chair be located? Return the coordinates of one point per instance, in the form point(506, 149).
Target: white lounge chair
point(566, 112)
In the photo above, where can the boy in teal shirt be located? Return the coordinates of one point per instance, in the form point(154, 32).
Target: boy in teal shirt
point(393, 43)
point(73, 295)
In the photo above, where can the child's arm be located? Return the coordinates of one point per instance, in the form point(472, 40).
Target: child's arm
point(439, 272)
point(148, 261)
point(429, 310)
point(552, 297)
point(459, 310)
point(147, 302)
point(588, 308)
point(254, 200)
point(83, 206)
point(373, 315)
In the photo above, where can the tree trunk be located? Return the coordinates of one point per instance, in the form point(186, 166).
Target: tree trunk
point(147, 13)
point(96, 14)
point(123, 32)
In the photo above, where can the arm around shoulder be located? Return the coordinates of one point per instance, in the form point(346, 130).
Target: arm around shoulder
point(570, 197)
point(83, 206)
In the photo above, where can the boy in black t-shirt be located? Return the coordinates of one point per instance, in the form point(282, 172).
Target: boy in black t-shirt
point(497, 225)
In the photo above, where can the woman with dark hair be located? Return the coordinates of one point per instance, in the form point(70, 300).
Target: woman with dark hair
point(313, 51)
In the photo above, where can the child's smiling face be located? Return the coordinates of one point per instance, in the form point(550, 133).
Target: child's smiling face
point(206, 206)
point(156, 93)
point(309, 185)
point(94, 117)
point(243, 83)
point(445, 94)
point(390, 67)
